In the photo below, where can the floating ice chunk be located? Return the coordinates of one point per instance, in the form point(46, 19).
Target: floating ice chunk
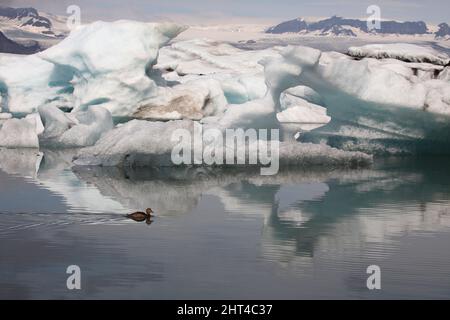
point(19, 133)
point(55, 121)
point(384, 81)
point(297, 108)
point(307, 113)
point(401, 51)
point(76, 129)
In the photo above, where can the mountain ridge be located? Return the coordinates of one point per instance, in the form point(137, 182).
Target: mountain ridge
point(339, 26)
point(9, 46)
point(28, 20)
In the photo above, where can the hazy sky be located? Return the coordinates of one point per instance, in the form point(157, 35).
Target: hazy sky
point(199, 10)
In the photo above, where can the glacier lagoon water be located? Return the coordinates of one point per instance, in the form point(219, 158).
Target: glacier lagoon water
point(223, 234)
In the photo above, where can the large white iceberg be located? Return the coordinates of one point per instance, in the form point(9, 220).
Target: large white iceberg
point(102, 63)
point(125, 69)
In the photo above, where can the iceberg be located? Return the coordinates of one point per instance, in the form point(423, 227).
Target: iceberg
point(101, 63)
point(381, 81)
point(75, 129)
point(19, 133)
point(138, 144)
point(380, 105)
point(401, 51)
point(391, 98)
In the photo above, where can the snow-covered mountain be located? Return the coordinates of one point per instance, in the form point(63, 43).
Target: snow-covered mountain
point(443, 32)
point(27, 24)
point(26, 17)
point(9, 46)
point(338, 26)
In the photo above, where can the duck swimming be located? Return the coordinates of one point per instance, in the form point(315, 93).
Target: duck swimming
point(141, 216)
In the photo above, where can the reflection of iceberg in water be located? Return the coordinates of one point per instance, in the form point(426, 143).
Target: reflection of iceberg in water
point(134, 189)
point(302, 213)
point(365, 214)
point(23, 162)
point(51, 170)
point(56, 175)
point(298, 207)
point(178, 190)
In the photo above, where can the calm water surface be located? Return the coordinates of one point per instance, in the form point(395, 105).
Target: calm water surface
point(222, 234)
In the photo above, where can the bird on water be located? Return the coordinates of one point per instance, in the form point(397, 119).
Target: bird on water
point(141, 216)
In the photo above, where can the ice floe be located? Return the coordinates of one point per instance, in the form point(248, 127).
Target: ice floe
point(402, 51)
